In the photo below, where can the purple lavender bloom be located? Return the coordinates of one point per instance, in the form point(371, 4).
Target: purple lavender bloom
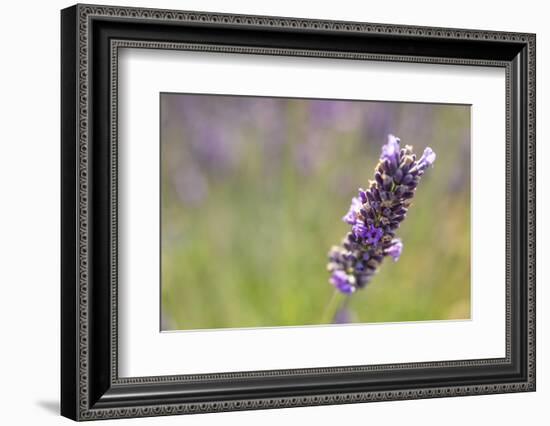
point(359, 229)
point(369, 233)
point(191, 186)
point(373, 235)
point(375, 215)
point(390, 151)
point(427, 159)
point(351, 216)
point(362, 196)
point(395, 249)
point(340, 115)
point(342, 282)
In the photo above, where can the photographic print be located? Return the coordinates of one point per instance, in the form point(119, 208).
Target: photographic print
point(301, 212)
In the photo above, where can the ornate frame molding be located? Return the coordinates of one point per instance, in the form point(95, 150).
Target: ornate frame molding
point(78, 24)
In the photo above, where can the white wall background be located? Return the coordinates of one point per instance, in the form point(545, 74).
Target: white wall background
point(29, 212)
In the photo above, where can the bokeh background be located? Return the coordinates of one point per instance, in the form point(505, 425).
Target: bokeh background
point(252, 194)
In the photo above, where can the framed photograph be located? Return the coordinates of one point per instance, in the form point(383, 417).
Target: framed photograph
point(263, 212)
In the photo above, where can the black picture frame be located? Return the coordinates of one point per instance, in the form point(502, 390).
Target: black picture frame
point(90, 386)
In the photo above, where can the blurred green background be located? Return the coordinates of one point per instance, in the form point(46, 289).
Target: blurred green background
point(252, 195)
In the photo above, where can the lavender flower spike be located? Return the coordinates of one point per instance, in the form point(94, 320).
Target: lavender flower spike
point(375, 215)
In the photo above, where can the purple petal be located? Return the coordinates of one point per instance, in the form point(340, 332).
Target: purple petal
point(351, 216)
point(342, 281)
point(395, 249)
point(428, 158)
point(391, 151)
point(363, 195)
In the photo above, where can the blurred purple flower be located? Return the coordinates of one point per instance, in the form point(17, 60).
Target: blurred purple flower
point(337, 114)
point(343, 282)
point(395, 249)
point(209, 130)
point(373, 235)
point(351, 216)
point(378, 120)
point(384, 206)
point(306, 156)
point(390, 151)
point(428, 157)
point(213, 147)
point(369, 233)
point(190, 186)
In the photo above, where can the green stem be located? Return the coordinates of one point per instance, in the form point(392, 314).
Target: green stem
point(330, 309)
point(337, 302)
